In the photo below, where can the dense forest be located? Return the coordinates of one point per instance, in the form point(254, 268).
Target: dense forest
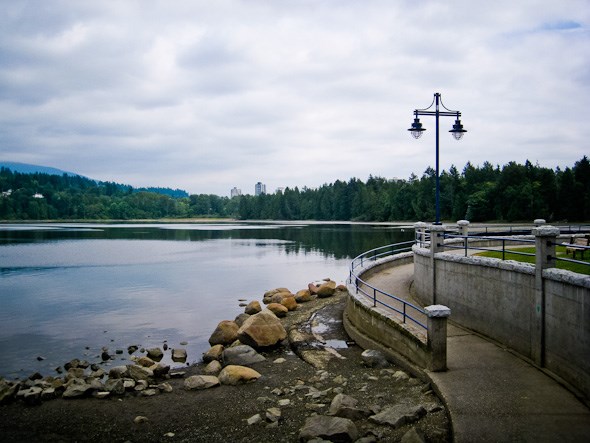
point(514, 192)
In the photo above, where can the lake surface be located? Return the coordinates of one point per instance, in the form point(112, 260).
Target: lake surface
point(68, 290)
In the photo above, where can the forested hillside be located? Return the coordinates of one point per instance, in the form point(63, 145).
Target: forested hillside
point(513, 192)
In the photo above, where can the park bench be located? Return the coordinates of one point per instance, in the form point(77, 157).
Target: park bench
point(578, 244)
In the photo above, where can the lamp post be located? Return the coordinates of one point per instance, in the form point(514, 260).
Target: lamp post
point(416, 130)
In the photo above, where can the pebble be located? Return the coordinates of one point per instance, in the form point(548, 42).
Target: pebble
point(140, 419)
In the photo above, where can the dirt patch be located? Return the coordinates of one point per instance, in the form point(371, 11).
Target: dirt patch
point(221, 414)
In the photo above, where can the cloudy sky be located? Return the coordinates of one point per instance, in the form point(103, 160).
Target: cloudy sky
point(208, 95)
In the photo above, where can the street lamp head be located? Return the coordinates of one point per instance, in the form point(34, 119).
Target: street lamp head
point(458, 130)
point(416, 130)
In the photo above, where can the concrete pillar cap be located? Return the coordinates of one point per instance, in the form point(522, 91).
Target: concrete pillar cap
point(420, 225)
point(539, 221)
point(546, 231)
point(437, 311)
point(438, 228)
point(463, 223)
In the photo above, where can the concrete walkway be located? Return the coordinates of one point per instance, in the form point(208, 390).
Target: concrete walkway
point(493, 395)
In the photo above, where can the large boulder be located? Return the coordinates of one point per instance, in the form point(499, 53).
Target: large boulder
point(155, 354)
point(289, 303)
point(334, 429)
point(253, 308)
point(278, 309)
point(119, 372)
point(139, 372)
point(242, 355)
point(241, 318)
point(225, 333)
point(326, 289)
point(235, 375)
point(214, 353)
point(262, 330)
point(303, 296)
point(77, 389)
point(268, 295)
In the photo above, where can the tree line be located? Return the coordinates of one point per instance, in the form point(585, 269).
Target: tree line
point(513, 192)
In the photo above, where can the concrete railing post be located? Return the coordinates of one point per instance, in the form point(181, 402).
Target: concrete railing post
point(464, 231)
point(545, 237)
point(437, 336)
point(437, 240)
point(420, 229)
point(463, 227)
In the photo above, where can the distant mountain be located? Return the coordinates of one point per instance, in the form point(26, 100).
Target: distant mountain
point(25, 168)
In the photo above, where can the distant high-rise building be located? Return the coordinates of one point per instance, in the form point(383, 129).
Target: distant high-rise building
point(235, 192)
point(260, 188)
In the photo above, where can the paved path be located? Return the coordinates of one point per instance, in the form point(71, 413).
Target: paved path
point(492, 394)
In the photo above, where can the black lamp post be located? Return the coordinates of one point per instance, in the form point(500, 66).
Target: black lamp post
point(416, 130)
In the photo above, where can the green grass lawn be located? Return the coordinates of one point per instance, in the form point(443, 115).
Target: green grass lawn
point(560, 250)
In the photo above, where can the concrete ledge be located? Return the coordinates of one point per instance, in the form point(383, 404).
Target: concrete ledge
point(374, 327)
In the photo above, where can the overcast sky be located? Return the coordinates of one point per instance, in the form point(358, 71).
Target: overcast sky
point(208, 95)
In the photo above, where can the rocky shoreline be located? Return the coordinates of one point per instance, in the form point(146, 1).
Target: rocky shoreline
point(273, 354)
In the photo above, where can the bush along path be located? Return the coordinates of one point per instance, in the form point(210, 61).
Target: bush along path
point(284, 370)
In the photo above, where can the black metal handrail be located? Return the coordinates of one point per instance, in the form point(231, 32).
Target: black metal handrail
point(573, 260)
point(466, 246)
point(372, 292)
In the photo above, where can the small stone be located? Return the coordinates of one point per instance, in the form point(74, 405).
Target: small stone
point(273, 414)
point(400, 375)
point(254, 419)
point(131, 349)
point(280, 360)
point(165, 387)
point(140, 419)
point(169, 434)
point(40, 358)
point(144, 361)
point(284, 402)
point(412, 436)
point(150, 392)
point(374, 359)
point(329, 428)
point(183, 343)
point(179, 355)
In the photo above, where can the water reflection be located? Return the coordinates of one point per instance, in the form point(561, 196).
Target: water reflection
point(68, 290)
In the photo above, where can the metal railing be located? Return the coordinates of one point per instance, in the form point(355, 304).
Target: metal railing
point(583, 249)
point(467, 246)
point(406, 310)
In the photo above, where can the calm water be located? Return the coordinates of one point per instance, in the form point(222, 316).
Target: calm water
point(67, 290)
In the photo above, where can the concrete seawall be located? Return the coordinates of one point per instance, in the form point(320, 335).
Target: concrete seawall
point(497, 298)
